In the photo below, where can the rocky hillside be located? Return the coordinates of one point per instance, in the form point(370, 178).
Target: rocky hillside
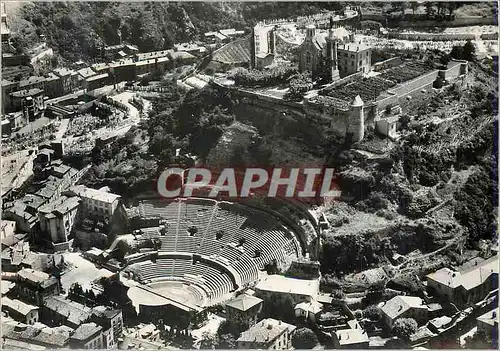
point(78, 30)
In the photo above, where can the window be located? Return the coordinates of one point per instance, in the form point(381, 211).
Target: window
point(308, 57)
point(360, 62)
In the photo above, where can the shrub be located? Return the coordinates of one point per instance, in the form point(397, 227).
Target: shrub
point(299, 85)
point(254, 78)
point(373, 313)
point(304, 338)
point(404, 328)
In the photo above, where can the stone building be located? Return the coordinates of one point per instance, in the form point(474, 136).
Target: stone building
point(334, 51)
point(36, 287)
point(465, 287)
point(267, 334)
point(404, 307)
point(244, 310)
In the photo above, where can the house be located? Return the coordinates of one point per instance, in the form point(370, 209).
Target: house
point(111, 320)
point(20, 311)
point(308, 310)
point(58, 217)
point(23, 212)
point(97, 203)
point(299, 290)
point(35, 286)
point(69, 79)
point(30, 101)
point(7, 228)
point(404, 307)
point(244, 310)
point(53, 85)
point(34, 337)
point(263, 46)
point(353, 338)
point(267, 334)
point(488, 323)
point(58, 310)
point(467, 286)
point(87, 336)
point(231, 32)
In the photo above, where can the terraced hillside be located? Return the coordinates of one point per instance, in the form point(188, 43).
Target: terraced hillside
point(235, 52)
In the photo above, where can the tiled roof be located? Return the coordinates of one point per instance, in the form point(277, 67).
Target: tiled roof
point(400, 304)
point(266, 330)
point(98, 195)
point(18, 306)
point(86, 331)
point(75, 313)
point(469, 278)
point(243, 302)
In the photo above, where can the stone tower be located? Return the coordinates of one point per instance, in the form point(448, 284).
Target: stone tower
point(331, 55)
point(357, 119)
point(310, 31)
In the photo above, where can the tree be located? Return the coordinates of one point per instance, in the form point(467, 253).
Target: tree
point(229, 327)
point(404, 328)
point(404, 120)
point(481, 340)
point(414, 6)
point(430, 11)
point(438, 83)
point(226, 342)
point(278, 307)
point(373, 313)
point(469, 51)
point(208, 341)
point(304, 338)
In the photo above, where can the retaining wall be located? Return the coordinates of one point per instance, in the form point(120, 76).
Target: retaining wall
point(432, 36)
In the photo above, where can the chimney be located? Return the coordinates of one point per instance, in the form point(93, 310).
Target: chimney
point(400, 308)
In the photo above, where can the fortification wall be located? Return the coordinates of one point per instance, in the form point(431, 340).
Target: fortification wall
point(347, 79)
point(392, 62)
point(407, 87)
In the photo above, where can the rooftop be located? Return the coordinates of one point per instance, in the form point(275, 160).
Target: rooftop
point(355, 335)
point(490, 317)
point(27, 92)
point(18, 306)
point(75, 313)
point(265, 331)
point(153, 54)
point(63, 72)
point(278, 283)
point(86, 72)
point(400, 304)
point(181, 55)
point(468, 278)
point(97, 77)
point(244, 302)
point(86, 331)
point(440, 322)
point(353, 47)
point(93, 194)
point(313, 306)
point(61, 205)
point(31, 80)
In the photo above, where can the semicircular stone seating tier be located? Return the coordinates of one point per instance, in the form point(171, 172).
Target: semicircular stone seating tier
point(239, 237)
